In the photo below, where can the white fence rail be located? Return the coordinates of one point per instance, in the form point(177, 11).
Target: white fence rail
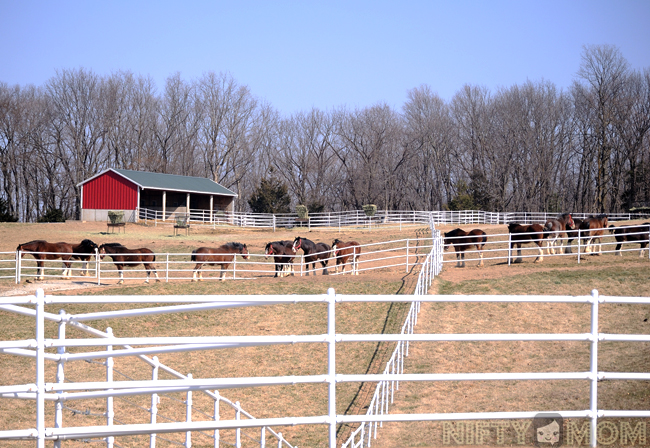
point(50, 391)
point(358, 218)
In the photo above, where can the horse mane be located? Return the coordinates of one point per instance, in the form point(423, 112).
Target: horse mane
point(113, 244)
point(234, 245)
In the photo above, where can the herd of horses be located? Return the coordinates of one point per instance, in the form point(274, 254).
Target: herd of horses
point(344, 253)
point(555, 232)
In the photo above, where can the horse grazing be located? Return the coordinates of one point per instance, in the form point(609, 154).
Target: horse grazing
point(555, 228)
point(283, 255)
point(123, 256)
point(41, 250)
point(572, 234)
point(223, 255)
point(462, 241)
point(343, 252)
point(83, 251)
point(313, 252)
point(631, 234)
point(592, 229)
point(522, 234)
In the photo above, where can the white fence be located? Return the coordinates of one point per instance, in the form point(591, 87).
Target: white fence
point(387, 255)
point(358, 218)
point(51, 391)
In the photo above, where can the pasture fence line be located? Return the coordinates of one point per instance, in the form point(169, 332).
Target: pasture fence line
point(357, 218)
point(386, 255)
point(45, 392)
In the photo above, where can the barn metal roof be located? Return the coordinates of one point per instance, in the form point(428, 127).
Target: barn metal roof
point(170, 182)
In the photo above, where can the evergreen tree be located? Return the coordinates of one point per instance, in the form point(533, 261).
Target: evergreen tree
point(270, 197)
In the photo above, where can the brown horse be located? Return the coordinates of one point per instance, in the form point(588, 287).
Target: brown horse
point(572, 234)
point(522, 234)
point(41, 250)
point(557, 228)
point(343, 252)
point(313, 252)
point(462, 241)
point(223, 255)
point(592, 229)
point(123, 256)
point(283, 255)
point(631, 234)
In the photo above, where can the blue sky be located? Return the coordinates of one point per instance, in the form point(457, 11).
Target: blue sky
point(302, 54)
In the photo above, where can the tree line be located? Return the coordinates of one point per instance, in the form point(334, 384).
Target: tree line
point(528, 147)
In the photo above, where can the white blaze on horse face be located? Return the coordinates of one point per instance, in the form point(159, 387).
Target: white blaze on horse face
point(549, 433)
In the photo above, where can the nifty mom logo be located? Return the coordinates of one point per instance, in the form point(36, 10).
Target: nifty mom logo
point(545, 430)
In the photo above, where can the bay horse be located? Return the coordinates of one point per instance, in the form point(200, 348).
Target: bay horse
point(223, 255)
point(462, 241)
point(592, 229)
point(123, 256)
point(555, 228)
point(572, 234)
point(343, 252)
point(313, 252)
point(522, 234)
point(41, 250)
point(283, 256)
point(631, 234)
point(83, 252)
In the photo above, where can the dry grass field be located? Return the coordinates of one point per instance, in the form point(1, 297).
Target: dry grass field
point(611, 275)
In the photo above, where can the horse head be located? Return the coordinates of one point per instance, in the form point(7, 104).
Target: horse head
point(335, 249)
point(570, 224)
point(244, 252)
point(297, 243)
point(268, 250)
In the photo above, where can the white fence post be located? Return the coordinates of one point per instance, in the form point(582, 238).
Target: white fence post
point(40, 368)
point(110, 413)
point(238, 430)
point(188, 415)
point(60, 378)
point(579, 244)
point(18, 258)
point(407, 255)
point(331, 364)
point(217, 417)
point(594, 368)
point(154, 401)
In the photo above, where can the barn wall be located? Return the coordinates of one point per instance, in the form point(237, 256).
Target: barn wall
point(110, 192)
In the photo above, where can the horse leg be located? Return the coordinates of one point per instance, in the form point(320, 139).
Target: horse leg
point(540, 257)
point(618, 250)
point(121, 280)
point(518, 259)
point(196, 270)
point(642, 250)
point(148, 273)
point(462, 257)
point(40, 272)
point(458, 259)
point(324, 265)
point(480, 255)
point(222, 273)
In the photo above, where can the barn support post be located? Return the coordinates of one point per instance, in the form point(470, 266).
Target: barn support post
point(154, 402)
point(594, 368)
point(211, 208)
point(164, 206)
point(110, 413)
point(60, 378)
point(188, 415)
point(40, 368)
point(331, 365)
point(217, 417)
point(187, 201)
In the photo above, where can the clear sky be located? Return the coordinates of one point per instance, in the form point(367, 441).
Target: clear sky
point(302, 54)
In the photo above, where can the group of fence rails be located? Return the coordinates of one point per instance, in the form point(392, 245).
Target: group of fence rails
point(384, 394)
point(498, 246)
point(388, 255)
point(55, 391)
point(357, 218)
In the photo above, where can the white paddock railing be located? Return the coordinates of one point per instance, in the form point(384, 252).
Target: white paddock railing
point(384, 394)
point(387, 255)
point(358, 218)
point(46, 391)
point(498, 246)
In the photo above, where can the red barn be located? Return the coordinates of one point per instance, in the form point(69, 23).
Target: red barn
point(140, 193)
